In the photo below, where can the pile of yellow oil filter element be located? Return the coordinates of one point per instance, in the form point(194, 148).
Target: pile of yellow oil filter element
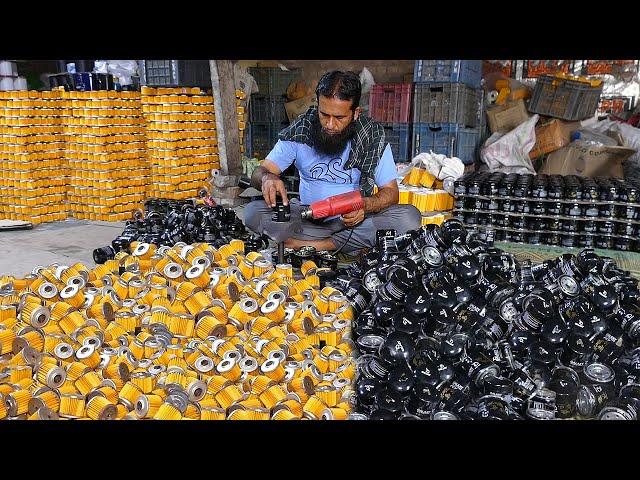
point(106, 154)
point(181, 140)
point(188, 332)
point(424, 191)
point(241, 109)
point(32, 167)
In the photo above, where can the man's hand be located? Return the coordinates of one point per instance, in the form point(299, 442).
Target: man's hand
point(354, 218)
point(272, 184)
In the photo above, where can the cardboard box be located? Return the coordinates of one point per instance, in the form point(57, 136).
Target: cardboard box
point(298, 107)
point(574, 159)
point(504, 118)
point(552, 136)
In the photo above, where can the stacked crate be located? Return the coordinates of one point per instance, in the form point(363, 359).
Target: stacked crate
point(447, 108)
point(32, 171)
point(182, 144)
point(267, 114)
point(105, 153)
point(390, 104)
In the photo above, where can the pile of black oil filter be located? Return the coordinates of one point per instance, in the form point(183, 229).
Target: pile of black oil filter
point(167, 222)
point(448, 327)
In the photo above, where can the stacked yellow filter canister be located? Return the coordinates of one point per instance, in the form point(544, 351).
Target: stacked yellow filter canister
point(105, 152)
point(241, 109)
point(181, 140)
point(424, 191)
point(188, 332)
point(32, 168)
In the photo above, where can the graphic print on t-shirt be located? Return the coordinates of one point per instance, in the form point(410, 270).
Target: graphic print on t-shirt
point(329, 172)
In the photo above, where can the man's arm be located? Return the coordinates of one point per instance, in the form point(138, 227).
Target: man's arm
point(267, 178)
point(388, 194)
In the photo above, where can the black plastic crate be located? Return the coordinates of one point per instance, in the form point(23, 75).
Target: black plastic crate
point(447, 103)
point(565, 99)
point(267, 109)
point(398, 135)
point(175, 73)
point(274, 81)
point(261, 137)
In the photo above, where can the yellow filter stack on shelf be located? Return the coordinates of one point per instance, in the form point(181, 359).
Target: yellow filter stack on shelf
point(238, 346)
point(425, 199)
point(182, 144)
point(106, 154)
point(33, 174)
point(436, 218)
point(241, 112)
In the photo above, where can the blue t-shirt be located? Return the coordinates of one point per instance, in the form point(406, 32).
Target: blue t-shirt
point(323, 176)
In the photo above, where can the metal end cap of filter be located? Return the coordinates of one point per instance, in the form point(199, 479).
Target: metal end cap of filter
point(248, 364)
point(63, 351)
point(142, 406)
point(56, 377)
point(197, 390)
point(85, 351)
point(40, 317)
point(78, 281)
point(204, 364)
point(173, 270)
point(141, 249)
point(45, 413)
point(47, 290)
point(194, 272)
point(202, 261)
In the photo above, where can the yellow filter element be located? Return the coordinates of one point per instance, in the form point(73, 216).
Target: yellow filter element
point(129, 394)
point(261, 383)
point(88, 382)
point(72, 406)
point(20, 372)
point(334, 414)
point(308, 268)
point(167, 412)
point(148, 405)
point(237, 245)
point(6, 341)
point(426, 179)
point(51, 374)
point(314, 407)
point(99, 408)
point(284, 414)
point(271, 396)
point(212, 413)
point(228, 396)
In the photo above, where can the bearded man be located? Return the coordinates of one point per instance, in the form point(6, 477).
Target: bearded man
point(336, 149)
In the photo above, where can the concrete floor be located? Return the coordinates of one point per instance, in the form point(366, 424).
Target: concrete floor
point(64, 243)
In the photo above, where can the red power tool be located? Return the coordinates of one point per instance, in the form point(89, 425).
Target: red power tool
point(336, 205)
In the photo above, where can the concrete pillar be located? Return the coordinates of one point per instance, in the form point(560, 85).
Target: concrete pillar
point(225, 190)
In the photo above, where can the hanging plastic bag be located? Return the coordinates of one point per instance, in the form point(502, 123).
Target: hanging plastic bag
point(509, 152)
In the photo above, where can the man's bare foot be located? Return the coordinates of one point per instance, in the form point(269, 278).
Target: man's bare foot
point(324, 244)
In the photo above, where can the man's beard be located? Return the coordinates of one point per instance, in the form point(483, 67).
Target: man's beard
point(331, 144)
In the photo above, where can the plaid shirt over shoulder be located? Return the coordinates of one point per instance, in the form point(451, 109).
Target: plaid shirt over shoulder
point(367, 145)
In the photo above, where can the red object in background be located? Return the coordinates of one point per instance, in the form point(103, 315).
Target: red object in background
point(601, 67)
point(336, 205)
point(615, 105)
point(390, 102)
point(503, 66)
point(535, 68)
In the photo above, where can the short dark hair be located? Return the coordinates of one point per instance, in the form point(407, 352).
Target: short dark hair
point(343, 85)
